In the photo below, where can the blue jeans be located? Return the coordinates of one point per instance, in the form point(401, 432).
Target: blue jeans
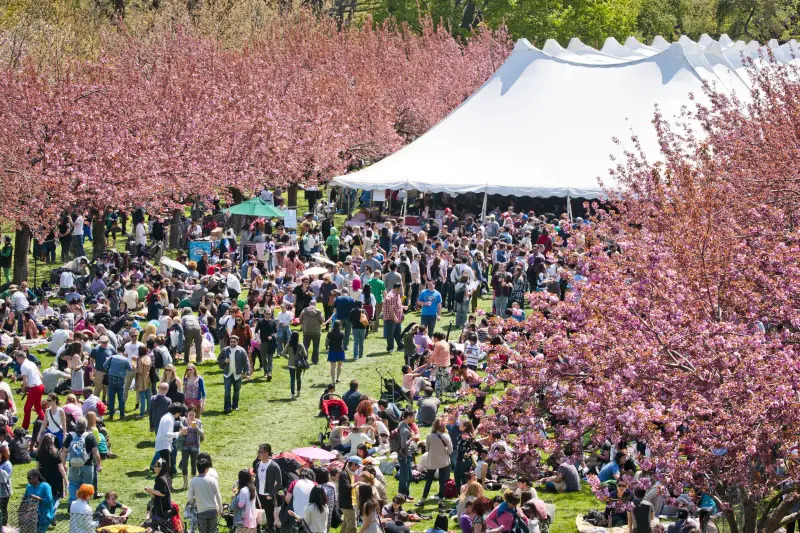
point(115, 390)
point(404, 475)
point(462, 309)
point(295, 375)
point(78, 477)
point(391, 332)
point(144, 401)
point(358, 342)
point(237, 385)
point(429, 321)
point(283, 337)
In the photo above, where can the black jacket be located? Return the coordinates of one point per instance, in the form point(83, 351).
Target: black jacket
point(345, 490)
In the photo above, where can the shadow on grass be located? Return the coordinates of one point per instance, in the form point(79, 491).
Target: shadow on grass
point(138, 473)
point(145, 444)
point(213, 413)
point(280, 400)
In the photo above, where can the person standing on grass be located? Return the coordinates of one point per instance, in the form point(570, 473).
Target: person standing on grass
point(439, 448)
point(343, 304)
point(347, 504)
point(81, 455)
point(393, 318)
point(204, 492)
point(166, 434)
point(191, 445)
point(267, 330)
point(142, 385)
point(268, 482)
point(117, 367)
point(404, 455)
point(99, 355)
point(244, 510)
point(430, 301)
point(293, 351)
point(333, 342)
point(235, 364)
point(6, 255)
point(359, 319)
point(194, 389)
point(32, 383)
point(311, 321)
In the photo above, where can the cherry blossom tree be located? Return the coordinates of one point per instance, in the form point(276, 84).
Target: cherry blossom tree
point(684, 334)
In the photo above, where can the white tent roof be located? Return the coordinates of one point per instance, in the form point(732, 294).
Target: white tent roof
point(544, 124)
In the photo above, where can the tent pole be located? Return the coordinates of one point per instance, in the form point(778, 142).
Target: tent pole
point(569, 209)
point(483, 209)
point(405, 207)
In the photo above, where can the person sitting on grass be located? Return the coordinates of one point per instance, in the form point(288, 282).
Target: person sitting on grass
point(104, 513)
point(565, 479)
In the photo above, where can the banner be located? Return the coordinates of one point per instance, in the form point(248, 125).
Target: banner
point(290, 220)
point(196, 249)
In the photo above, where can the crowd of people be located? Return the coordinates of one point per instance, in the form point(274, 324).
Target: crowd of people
point(128, 322)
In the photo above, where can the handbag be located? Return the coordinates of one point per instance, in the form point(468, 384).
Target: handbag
point(261, 514)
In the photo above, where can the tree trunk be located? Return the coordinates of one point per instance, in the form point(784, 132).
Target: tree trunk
point(238, 220)
point(780, 516)
point(98, 234)
point(292, 196)
point(22, 246)
point(175, 230)
point(750, 513)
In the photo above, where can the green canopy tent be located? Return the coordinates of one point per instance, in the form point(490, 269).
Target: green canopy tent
point(256, 207)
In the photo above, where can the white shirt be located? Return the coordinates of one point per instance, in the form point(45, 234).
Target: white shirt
point(131, 299)
point(44, 312)
point(141, 235)
point(261, 475)
point(300, 495)
point(166, 434)
point(60, 337)
point(284, 318)
point(132, 350)
point(316, 521)
point(77, 226)
point(233, 283)
point(66, 280)
point(415, 273)
point(29, 370)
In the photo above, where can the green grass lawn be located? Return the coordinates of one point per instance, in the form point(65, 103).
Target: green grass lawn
point(267, 414)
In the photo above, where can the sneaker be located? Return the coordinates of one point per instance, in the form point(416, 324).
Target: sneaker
point(419, 503)
point(269, 377)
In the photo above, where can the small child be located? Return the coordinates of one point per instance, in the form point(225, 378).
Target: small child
point(482, 467)
point(284, 320)
point(472, 352)
point(421, 340)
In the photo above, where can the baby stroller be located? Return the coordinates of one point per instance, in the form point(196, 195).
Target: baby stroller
point(392, 391)
point(333, 408)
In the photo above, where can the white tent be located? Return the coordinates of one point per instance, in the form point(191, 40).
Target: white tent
point(545, 123)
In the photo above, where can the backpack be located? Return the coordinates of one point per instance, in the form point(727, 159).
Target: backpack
point(450, 490)
point(394, 440)
point(461, 295)
point(77, 455)
point(519, 526)
point(363, 319)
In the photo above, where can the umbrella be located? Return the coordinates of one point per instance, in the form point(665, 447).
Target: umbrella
point(322, 259)
point(285, 249)
point(256, 207)
point(174, 265)
point(312, 453)
point(315, 271)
